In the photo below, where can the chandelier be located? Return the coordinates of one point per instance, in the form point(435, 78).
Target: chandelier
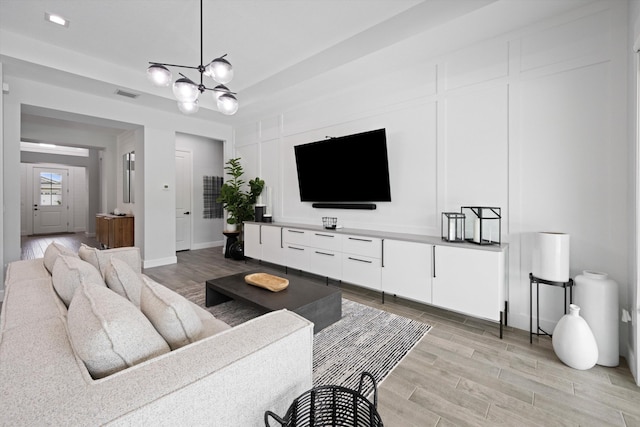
point(187, 92)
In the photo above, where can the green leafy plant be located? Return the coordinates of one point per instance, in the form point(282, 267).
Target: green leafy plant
point(238, 202)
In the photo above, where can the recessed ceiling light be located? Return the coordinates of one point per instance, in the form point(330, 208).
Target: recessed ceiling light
point(56, 19)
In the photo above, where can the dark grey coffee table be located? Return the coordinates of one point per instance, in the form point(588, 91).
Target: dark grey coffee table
point(320, 304)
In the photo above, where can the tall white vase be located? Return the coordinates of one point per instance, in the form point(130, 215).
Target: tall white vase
point(551, 256)
point(573, 341)
point(597, 295)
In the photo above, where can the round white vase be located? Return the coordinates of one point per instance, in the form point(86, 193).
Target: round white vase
point(231, 227)
point(597, 296)
point(573, 341)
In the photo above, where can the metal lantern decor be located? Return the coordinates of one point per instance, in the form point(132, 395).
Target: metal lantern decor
point(453, 226)
point(483, 224)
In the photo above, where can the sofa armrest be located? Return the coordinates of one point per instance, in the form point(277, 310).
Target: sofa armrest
point(228, 379)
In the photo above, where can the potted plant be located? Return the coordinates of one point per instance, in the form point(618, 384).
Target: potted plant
point(235, 199)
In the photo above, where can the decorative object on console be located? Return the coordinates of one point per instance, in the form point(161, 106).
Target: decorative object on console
point(329, 222)
point(551, 256)
point(187, 92)
point(483, 224)
point(598, 296)
point(573, 342)
point(453, 227)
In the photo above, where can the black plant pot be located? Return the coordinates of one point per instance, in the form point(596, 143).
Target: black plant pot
point(236, 250)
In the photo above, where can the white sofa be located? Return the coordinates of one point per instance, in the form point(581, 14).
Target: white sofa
point(227, 379)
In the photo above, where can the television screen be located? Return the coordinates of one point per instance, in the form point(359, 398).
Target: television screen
point(351, 168)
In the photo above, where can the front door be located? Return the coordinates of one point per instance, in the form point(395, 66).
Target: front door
point(50, 194)
point(183, 200)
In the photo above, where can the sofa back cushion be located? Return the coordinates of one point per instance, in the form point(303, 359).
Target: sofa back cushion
point(53, 251)
point(121, 279)
point(69, 272)
point(100, 258)
point(108, 332)
point(171, 314)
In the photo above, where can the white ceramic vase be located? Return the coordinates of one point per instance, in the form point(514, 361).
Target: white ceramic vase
point(231, 227)
point(573, 341)
point(597, 296)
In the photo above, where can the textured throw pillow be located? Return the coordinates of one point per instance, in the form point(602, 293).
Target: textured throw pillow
point(52, 252)
point(121, 279)
point(69, 272)
point(89, 254)
point(171, 314)
point(108, 332)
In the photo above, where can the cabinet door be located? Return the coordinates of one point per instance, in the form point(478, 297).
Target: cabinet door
point(252, 247)
point(361, 270)
point(406, 269)
point(469, 281)
point(272, 247)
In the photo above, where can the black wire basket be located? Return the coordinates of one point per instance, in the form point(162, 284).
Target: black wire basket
point(332, 406)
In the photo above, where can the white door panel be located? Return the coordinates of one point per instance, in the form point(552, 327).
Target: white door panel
point(183, 200)
point(50, 196)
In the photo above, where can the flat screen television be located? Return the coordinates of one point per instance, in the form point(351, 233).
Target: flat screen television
point(352, 168)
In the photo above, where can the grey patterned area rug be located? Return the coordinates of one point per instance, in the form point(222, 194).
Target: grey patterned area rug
point(365, 339)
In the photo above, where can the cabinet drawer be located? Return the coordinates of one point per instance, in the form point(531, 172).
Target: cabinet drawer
point(365, 246)
point(325, 263)
point(297, 256)
point(295, 236)
point(361, 270)
point(322, 240)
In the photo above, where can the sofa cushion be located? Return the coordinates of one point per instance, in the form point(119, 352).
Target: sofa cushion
point(108, 332)
point(69, 272)
point(100, 258)
point(53, 251)
point(121, 279)
point(170, 313)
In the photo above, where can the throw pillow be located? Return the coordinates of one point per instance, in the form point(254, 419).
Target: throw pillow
point(170, 313)
point(69, 272)
point(121, 279)
point(89, 254)
point(52, 252)
point(108, 332)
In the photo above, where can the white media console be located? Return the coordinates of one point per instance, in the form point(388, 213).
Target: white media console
point(461, 277)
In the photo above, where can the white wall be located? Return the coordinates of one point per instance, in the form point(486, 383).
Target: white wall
point(207, 160)
point(533, 121)
point(155, 229)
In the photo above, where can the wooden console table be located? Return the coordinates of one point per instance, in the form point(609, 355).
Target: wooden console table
point(114, 231)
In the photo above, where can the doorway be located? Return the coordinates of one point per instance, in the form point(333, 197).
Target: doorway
point(50, 206)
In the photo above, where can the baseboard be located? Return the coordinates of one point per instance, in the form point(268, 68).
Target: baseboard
point(206, 245)
point(159, 262)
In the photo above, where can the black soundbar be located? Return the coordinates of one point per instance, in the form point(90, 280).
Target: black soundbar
point(365, 206)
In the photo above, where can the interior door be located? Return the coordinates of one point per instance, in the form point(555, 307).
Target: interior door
point(50, 195)
point(183, 200)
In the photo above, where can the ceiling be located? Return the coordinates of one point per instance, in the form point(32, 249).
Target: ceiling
point(274, 45)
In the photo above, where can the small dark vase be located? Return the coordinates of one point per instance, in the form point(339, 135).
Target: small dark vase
point(236, 250)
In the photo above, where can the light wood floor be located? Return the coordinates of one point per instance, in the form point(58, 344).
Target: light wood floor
point(461, 373)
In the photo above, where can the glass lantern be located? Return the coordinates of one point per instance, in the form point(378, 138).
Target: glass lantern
point(453, 226)
point(483, 225)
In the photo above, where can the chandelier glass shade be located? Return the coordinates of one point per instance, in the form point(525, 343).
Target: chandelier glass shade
point(187, 91)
